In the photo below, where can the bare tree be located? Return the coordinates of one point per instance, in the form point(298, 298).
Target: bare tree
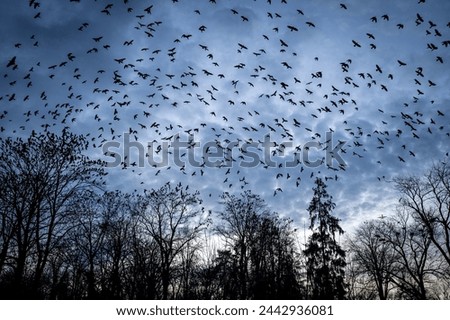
point(186, 271)
point(428, 200)
point(39, 178)
point(372, 257)
point(101, 238)
point(418, 264)
point(207, 286)
point(397, 257)
point(238, 227)
point(173, 218)
point(142, 277)
point(88, 241)
point(360, 284)
point(118, 220)
point(260, 251)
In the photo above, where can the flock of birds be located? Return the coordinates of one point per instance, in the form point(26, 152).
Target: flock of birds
point(212, 83)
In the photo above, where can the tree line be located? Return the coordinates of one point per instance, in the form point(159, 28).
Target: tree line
point(62, 236)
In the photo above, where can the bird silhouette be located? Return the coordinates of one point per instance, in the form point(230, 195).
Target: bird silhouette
point(12, 62)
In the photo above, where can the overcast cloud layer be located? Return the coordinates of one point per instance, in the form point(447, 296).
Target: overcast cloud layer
point(373, 73)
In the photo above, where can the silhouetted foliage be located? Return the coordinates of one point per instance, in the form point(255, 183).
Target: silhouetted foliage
point(325, 264)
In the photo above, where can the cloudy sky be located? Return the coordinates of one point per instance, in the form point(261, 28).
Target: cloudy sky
point(258, 95)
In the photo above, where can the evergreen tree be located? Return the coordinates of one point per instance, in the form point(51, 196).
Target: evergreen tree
point(325, 259)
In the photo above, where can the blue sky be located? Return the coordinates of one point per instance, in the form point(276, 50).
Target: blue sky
point(236, 71)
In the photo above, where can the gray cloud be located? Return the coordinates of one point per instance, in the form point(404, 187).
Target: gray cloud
point(147, 74)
